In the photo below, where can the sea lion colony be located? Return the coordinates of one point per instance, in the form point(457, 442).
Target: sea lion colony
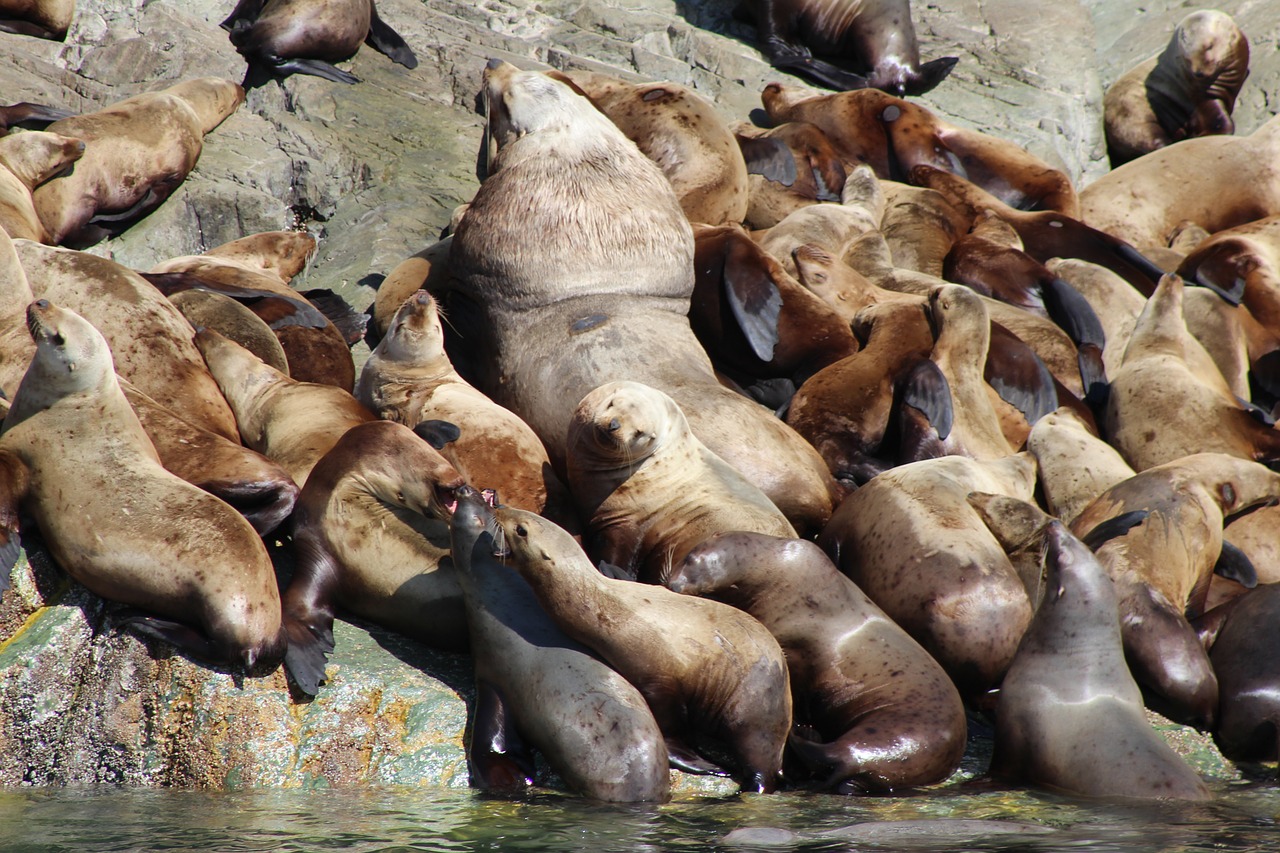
point(946, 330)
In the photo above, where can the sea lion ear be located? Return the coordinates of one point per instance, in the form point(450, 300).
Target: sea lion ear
point(931, 74)
point(615, 572)
point(437, 433)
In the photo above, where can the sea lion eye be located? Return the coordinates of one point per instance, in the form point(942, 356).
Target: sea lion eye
point(1228, 494)
point(58, 340)
point(520, 531)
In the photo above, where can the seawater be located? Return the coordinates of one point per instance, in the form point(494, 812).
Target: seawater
point(1242, 816)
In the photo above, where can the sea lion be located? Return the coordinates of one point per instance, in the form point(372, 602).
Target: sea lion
point(1070, 716)
point(150, 340)
point(46, 19)
point(680, 131)
point(27, 160)
point(920, 226)
point(408, 379)
point(16, 346)
point(703, 667)
point(229, 318)
point(425, 270)
point(647, 489)
point(1145, 200)
point(829, 225)
point(1075, 465)
point(1115, 302)
point(1244, 260)
point(886, 715)
point(607, 285)
point(964, 603)
point(122, 525)
point(1248, 718)
point(538, 689)
point(304, 36)
point(137, 152)
point(788, 167)
point(1189, 89)
point(370, 533)
point(875, 37)
point(291, 423)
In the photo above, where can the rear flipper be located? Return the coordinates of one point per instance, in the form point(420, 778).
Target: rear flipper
point(683, 757)
point(314, 67)
point(496, 755)
point(387, 41)
point(798, 60)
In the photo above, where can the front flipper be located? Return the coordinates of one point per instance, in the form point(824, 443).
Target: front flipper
point(387, 41)
point(31, 116)
point(1234, 564)
point(307, 607)
point(681, 756)
point(185, 638)
point(314, 67)
point(497, 757)
point(753, 297)
point(770, 158)
point(1019, 376)
point(800, 61)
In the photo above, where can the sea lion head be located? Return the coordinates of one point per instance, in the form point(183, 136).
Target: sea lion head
point(1212, 46)
point(532, 541)
point(212, 99)
point(518, 103)
point(621, 424)
point(415, 333)
point(71, 355)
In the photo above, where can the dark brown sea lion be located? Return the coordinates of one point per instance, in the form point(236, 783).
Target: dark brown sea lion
point(703, 667)
point(874, 37)
point(46, 19)
point(370, 534)
point(1189, 89)
point(137, 152)
point(27, 160)
point(538, 689)
point(304, 36)
point(1242, 650)
point(886, 715)
point(1069, 715)
point(122, 525)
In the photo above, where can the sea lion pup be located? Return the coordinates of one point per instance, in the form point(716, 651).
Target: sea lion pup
point(875, 37)
point(258, 270)
point(122, 525)
point(647, 489)
point(1145, 200)
point(964, 603)
point(893, 136)
point(681, 131)
point(607, 286)
point(1168, 398)
point(284, 37)
point(27, 160)
point(46, 19)
point(291, 423)
point(1075, 466)
point(253, 485)
point(149, 338)
point(370, 534)
point(408, 379)
point(1189, 89)
point(1162, 567)
point(829, 225)
point(887, 715)
point(137, 152)
point(1069, 715)
point(788, 167)
point(538, 689)
point(703, 667)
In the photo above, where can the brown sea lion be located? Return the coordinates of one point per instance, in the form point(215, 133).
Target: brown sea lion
point(46, 19)
point(886, 715)
point(286, 37)
point(1069, 715)
point(789, 166)
point(538, 689)
point(875, 39)
point(370, 534)
point(27, 160)
point(408, 379)
point(229, 318)
point(910, 540)
point(680, 131)
point(607, 286)
point(703, 667)
point(1075, 465)
point(831, 226)
point(647, 489)
point(150, 339)
point(291, 423)
point(426, 270)
point(137, 152)
point(1189, 89)
point(1241, 651)
point(122, 525)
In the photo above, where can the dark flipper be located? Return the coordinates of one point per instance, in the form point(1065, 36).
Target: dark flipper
point(1232, 293)
point(1113, 528)
point(387, 41)
point(30, 116)
point(185, 638)
point(682, 757)
point(823, 72)
point(770, 158)
point(349, 322)
point(497, 757)
point(930, 74)
point(314, 67)
point(437, 433)
point(1234, 564)
point(13, 486)
point(308, 608)
point(925, 389)
point(1019, 376)
point(246, 10)
point(753, 298)
point(617, 573)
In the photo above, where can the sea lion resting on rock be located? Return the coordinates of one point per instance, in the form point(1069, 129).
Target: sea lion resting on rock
point(118, 522)
point(606, 283)
point(27, 160)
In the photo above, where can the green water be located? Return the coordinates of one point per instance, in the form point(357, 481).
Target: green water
point(1243, 816)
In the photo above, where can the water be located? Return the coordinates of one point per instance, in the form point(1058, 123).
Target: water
point(1243, 816)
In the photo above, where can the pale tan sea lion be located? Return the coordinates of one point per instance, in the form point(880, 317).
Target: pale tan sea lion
point(16, 346)
point(121, 524)
point(703, 667)
point(1189, 89)
point(1075, 465)
point(150, 339)
point(647, 489)
point(137, 152)
point(828, 225)
point(27, 160)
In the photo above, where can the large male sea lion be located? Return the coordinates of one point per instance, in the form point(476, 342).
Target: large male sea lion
point(538, 689)
point(121, 524)
point(885, 714)
point(1070, 715)
point(606, 285)
point(703, 667)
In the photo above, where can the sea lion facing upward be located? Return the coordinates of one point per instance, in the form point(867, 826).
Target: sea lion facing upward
point(121, 524)
point(1187, 90)
point(873, 36)
point(305, 36)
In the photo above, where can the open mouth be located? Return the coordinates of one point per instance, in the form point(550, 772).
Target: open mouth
point(448, 498)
